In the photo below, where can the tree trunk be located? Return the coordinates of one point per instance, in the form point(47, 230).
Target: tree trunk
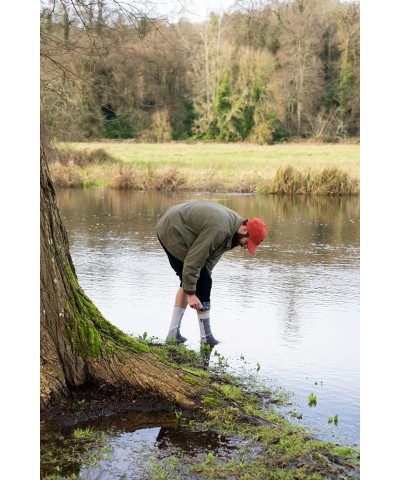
point(78, 345)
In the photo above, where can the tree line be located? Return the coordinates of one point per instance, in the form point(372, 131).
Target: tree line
point(268, 71)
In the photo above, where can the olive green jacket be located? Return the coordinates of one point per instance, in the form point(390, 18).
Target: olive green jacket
point(197, 233)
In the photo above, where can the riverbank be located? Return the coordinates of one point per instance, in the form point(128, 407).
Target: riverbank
point(293, 168)
point(236, 433)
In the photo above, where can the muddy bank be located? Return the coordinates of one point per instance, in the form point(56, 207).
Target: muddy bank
point(105, 433)
point(90, 403)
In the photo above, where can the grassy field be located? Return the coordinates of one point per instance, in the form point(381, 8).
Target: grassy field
point(216, 166)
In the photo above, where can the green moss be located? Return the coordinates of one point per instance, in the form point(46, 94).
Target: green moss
point(228, 378)
point(88, 331)
point(232, 392)
point(347, 453)
point(179, 355)
point(84, 433)
point(210, 401)
point(197, 372)
point(191, 380)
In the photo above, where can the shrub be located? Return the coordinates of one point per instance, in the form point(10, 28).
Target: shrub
point(65, 175)
point(160, 130)
point(332, 181)
point(124, 180)
point(118, 127)
point(287, 180)
point(262, 133)
point(83, 158)
point(165, 180)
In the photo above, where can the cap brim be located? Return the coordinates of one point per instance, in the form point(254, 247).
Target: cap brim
point(251, 246)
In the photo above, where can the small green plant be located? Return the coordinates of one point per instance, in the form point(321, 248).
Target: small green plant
point(258, 367)
point(146, 340)
point(312, 400)
point(83, 433)
point(178, 415)
point(143, 338)
point(209, 458)
point(211, 401)
point(222, 361)
point(232, 392)
point(334, 419)
point(205, 348)
point(297, 415)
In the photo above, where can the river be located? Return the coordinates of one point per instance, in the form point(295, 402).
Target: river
point(291, 313)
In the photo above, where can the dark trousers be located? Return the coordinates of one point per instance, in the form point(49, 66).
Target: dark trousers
point(204, 283)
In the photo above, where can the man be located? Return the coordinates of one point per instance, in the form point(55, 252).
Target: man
point(194, 235)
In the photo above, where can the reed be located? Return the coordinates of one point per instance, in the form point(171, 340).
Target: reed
point(330, 181)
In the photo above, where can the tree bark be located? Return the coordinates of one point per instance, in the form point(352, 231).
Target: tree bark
point(78, 345)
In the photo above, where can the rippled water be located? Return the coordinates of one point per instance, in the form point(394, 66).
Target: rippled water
point(293, 309)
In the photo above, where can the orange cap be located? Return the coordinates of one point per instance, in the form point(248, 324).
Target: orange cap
point(257, 231)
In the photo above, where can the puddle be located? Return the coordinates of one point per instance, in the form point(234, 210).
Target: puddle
point(130, 445)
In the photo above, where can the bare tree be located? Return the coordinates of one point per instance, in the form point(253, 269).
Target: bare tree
point(349, 91)
point(208, 64)
point(301, 73)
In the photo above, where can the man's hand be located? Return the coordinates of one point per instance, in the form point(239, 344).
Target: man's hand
point(194, 302)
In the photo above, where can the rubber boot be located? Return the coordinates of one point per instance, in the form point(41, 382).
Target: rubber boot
point(206, 335)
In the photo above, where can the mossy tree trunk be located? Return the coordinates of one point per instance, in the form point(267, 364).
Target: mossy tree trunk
point(78, 345)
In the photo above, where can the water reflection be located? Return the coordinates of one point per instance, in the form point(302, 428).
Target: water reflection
point(128, 445)
point(294, 308)
point(291, 321)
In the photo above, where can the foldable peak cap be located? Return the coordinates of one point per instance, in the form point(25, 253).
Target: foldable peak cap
point(257, 231)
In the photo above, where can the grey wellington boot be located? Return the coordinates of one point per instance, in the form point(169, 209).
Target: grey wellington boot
point(205, 331)
point(175, 337)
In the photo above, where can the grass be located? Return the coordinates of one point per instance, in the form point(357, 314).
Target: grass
point(232, 167)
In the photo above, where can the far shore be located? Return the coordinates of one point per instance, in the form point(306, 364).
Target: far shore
point(293, 168)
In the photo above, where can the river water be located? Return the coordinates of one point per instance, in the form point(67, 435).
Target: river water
point(291, 313)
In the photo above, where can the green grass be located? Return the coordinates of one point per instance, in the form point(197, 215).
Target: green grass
point(239, 167)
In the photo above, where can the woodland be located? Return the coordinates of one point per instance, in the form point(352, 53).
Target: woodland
point(268, 71)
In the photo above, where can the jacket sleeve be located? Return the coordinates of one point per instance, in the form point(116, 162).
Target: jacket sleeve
point(201, 253)
point(212, 261)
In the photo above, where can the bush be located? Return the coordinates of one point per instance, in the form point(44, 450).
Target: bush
point(287, 180)
point(83, 158)
point(124, 180)
point(65, 175)
point(262, 133)
point(160, 129)
point(118, 127)
point(330, 181)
